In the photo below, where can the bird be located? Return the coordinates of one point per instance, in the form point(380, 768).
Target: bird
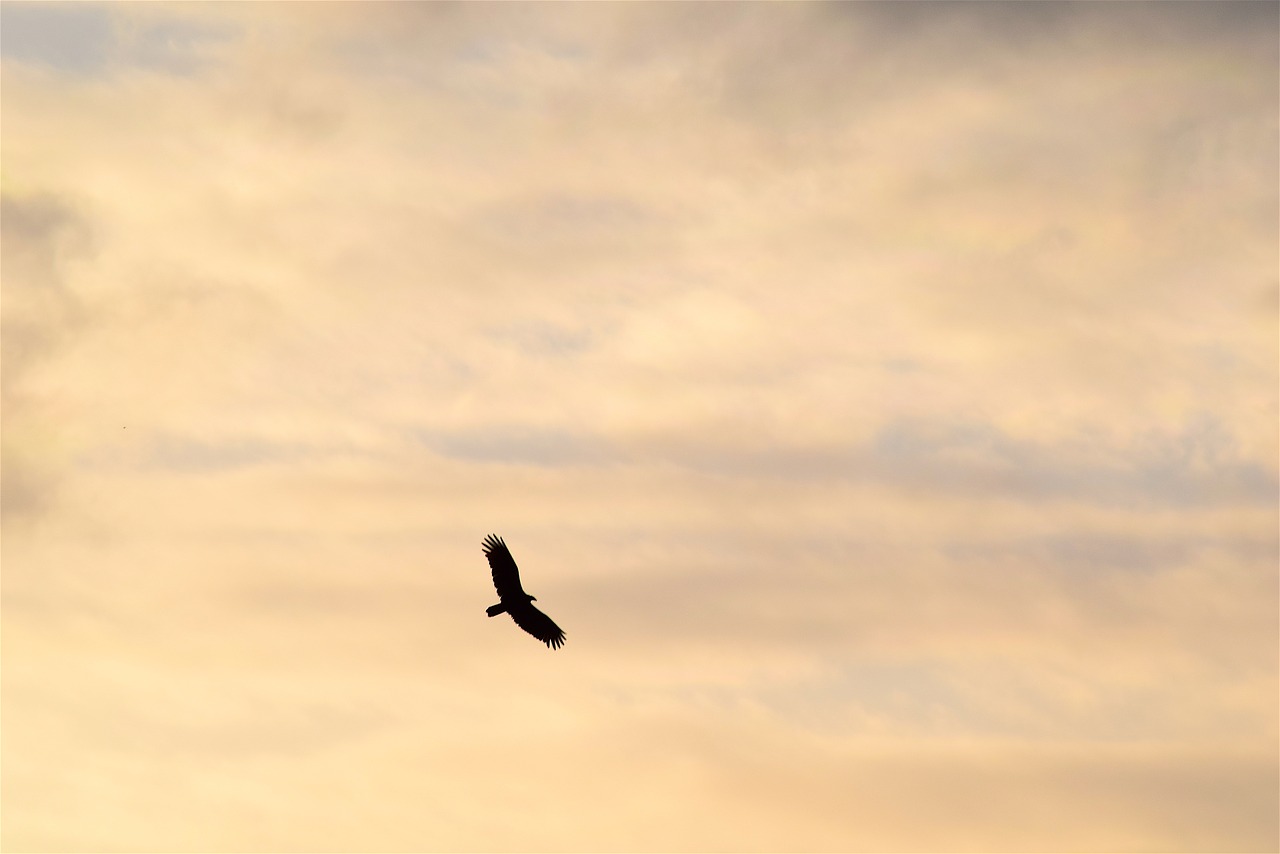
point(513, 599)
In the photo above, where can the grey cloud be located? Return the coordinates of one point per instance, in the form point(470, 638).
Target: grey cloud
point(543, 339)
point(180, 47)
point(993, 699)
point(551, 447)
point(27, 488)
point(71, 37)
point(793, 72)
point(1029, 26)
point(40, 236)
point(174, 453)
point(183, 454)
point(458, 51)
point(556, 232)
point(1197, 467)
point(1099, 554)
point(90, 39)
point(566, 217)
point(1194, 468)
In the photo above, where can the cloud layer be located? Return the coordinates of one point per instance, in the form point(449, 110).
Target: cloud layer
point(882, 396)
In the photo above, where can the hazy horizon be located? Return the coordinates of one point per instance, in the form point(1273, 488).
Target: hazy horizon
point(882, 397)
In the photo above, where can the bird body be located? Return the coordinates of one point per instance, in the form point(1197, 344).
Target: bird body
point(513, 599)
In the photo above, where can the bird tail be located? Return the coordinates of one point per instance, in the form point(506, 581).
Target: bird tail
point(495, 610)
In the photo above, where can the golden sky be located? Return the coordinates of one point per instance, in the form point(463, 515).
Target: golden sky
point(882, 397)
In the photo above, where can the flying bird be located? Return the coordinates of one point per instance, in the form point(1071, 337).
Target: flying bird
point(514, 601)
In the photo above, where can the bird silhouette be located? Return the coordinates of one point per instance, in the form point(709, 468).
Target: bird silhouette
point(513, 599)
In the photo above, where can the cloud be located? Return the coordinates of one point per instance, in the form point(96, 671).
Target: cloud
point(42, 236)
point(69, 38)
point(883, 398)
point(90, 39)
point(1199, 466)
point(520, 446)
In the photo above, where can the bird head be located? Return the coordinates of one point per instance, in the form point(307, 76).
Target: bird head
point(533, 598)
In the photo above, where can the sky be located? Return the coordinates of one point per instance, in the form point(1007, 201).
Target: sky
point(882, 397)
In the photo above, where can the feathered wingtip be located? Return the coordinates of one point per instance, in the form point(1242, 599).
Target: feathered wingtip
point(493, 542)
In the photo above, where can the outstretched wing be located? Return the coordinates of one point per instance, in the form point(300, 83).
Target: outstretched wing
point(506, 577)
point(538, 624)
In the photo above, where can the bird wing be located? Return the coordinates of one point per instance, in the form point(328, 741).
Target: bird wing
point(506, 576)
point(538, 624)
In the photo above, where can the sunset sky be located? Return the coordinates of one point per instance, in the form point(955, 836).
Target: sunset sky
point(882, 397)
